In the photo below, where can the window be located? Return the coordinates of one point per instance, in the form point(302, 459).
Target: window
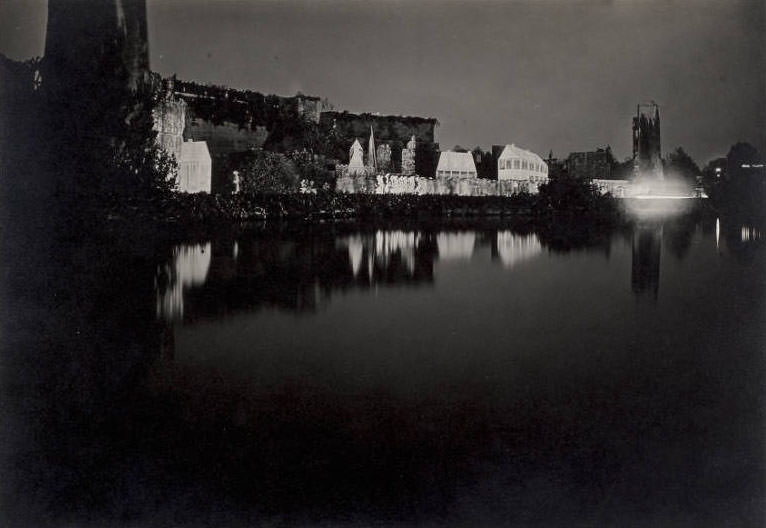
point(516, 164)
point(524, 164)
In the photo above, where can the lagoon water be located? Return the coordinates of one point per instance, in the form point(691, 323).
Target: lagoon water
point(441, 374)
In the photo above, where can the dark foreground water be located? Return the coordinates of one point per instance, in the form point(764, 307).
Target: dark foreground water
point(408, 375)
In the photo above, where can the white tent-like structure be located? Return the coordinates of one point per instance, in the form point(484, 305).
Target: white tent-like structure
point(456, 164)
point(356, 159)
point(522, 166)
point(194, 168)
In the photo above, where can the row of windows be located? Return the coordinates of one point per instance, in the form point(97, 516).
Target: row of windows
point(531, 179)
point(454, 173)
point(516, 163)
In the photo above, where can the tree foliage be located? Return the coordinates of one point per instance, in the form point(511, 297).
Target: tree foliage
point(734, 184)
point(265, 172)
point(572, 195)
point(679, 163)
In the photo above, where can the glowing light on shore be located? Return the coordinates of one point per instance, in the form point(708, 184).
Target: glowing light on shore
point(652, 197)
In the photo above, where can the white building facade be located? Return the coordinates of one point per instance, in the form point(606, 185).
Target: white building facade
point(456, 164)
point(524, 168)
point(194, 168)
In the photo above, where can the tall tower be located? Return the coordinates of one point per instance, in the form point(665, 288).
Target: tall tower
point(95, 80)
point(647, 147)
point(95, 39)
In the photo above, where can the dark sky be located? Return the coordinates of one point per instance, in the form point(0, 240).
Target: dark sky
point(561, 75)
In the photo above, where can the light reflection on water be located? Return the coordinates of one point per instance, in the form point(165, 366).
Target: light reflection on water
point(383, 256)
point(513, 248)
point(188, 268)
point(490, 375)
point(397, 257)
point(456, 246)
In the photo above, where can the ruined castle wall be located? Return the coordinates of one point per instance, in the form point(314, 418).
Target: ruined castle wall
point(169, 122)
point(389, 129)
point(226, 137)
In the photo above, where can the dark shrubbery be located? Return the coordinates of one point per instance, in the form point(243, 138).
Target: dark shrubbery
point(575, 197)
point(735, 184)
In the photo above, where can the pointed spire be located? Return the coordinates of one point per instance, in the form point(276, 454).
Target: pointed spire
point(372, 162)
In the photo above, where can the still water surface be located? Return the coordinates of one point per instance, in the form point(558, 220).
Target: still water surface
point(482, 375)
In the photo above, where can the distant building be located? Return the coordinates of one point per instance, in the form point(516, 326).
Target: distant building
point(556, 167)
point(523, 167)
point(194, 168)
point(456, 164)
point(589, 165)
point(647, 149)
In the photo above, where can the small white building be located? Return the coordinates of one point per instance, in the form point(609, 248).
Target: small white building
point(523, 167)
point(456, 164)
point(194, 168)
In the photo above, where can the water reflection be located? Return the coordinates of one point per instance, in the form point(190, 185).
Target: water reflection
point(513, 248)
point(387, 257)
point(456, 246)
point(647, 248)
point(295, 419)
point(741, 237)
point(189, 267)
point(748, 233)
point(299, 271)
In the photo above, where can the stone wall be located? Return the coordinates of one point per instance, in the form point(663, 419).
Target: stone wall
point(169, 122)
point(586, 165)
point(618, 188)
point(225, 138)
point(387, 128)
point(383, 156)
point(399, 184)
point(408, 159)
point(394, 131)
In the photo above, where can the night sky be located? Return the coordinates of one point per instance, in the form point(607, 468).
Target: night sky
point(545, 75)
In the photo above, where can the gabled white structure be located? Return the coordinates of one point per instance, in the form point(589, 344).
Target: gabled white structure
point(356, 159)
point(194, 168)
point(456, 164)
point(523, 167)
